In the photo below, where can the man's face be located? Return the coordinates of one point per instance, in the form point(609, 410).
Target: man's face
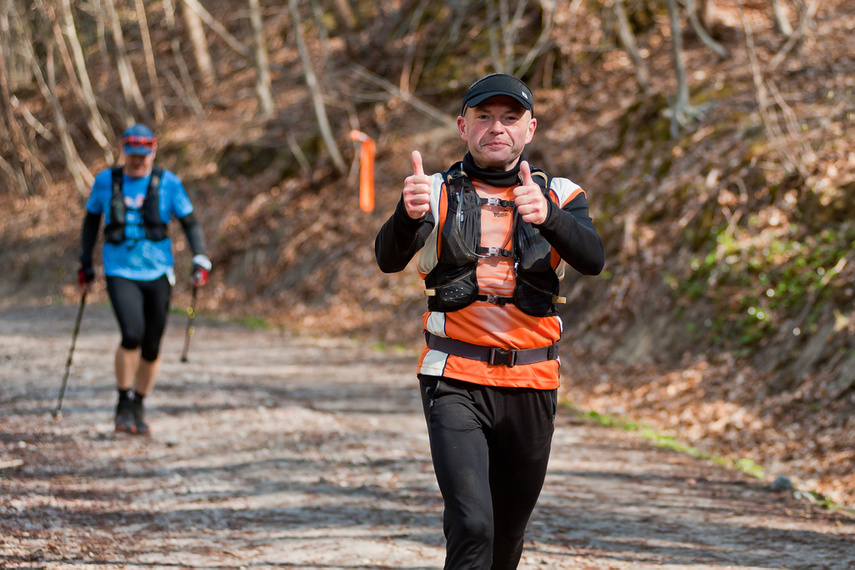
point(496, 132)
point(138, 165)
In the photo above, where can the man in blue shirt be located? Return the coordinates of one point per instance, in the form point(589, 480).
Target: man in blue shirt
point(137, 201)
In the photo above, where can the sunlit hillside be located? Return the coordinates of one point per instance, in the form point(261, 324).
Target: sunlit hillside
point(724, 316)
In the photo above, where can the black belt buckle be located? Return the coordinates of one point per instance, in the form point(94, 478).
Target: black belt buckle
point(502, 356)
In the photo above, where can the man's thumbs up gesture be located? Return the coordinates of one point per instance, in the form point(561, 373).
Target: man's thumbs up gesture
point(417, 189)
point(529, 198)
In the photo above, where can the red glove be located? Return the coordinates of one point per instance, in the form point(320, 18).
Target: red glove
point(85, 276)
point(200, 276)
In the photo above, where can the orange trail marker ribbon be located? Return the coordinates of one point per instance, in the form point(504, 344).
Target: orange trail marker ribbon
point(366, 170)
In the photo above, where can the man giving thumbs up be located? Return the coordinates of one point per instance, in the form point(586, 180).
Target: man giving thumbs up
point(492, 234)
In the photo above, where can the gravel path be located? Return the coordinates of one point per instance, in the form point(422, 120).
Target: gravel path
point(276, 451)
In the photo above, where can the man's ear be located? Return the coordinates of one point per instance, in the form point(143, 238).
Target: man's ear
point(461, 127)
point(532, 126)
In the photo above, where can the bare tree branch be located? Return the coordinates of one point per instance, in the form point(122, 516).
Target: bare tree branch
point(548, 8)
point(315, 89)
point(408, 98)
point(791, 159)
point(33, 123)
point(218, 28)
point(804, 23)
point(127, 79)
point(193, 21)
point(97, 124)
point(82, 177)
point(702, 32)
point(262, 69)
point(627, 38)
point(345, 14)
point(25, 164)
point(149, 61)
point(781, 21)
point(680, 109)
point(185, 87)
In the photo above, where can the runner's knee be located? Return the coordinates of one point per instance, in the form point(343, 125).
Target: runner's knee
point(131, 341)
point(150, 352)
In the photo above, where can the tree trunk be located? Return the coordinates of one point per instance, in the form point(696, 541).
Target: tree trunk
point(200, 44)
point(805, 21)
point(548, 10)
point(680, 108)
point(186, 85)
point(781, 21)
point(96, 11)
point(707, 13)
point(15, 171)
point(24, 164)
point(698, 26)
point(74, 80)
point(17, 70)
point(149, 62)
point(502, 33)
point(315, 89)
point(97, 124)
point(82, 177)
point(346, 17)
point(627, 38)
point(262, 69)
point(218, 28)
point(130, 88)
point(779, 142)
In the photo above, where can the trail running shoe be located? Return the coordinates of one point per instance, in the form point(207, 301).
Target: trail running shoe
point(125, 416)
point(139, 427)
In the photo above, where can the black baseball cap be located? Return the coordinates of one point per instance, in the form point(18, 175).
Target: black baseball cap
point(498, 84)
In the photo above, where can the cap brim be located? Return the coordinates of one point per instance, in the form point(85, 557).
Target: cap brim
point(137, 150)
point(478, 99)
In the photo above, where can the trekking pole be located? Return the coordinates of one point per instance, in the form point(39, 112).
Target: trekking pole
point(191, 317)
point(57, 413)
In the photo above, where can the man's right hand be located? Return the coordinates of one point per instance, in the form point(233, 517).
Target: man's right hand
point(85, 276)
point(417, 190)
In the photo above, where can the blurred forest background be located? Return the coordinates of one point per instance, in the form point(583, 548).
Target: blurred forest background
point(714, 139)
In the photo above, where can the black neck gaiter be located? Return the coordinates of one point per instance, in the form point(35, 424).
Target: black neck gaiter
point(498, 178)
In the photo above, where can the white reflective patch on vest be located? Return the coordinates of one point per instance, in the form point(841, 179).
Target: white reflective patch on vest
point(433, 363)
point(428, 256)
point(436, 324)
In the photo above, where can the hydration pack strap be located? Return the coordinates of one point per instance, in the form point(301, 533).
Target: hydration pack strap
point(496, 202)
point(491, 355)
point(495, 299)
point(493, 252)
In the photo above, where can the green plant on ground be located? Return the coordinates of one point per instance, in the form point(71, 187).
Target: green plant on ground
point(781, 272)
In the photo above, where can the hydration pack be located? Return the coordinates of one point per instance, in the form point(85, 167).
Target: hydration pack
point(153, 226)
point(452, 284)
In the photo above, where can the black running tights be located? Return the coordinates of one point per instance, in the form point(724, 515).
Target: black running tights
point(141, 308)
point(490, 448)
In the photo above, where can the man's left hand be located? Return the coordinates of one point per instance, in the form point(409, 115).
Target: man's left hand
point(201, 269)
point(531, 203)
point(200, 276)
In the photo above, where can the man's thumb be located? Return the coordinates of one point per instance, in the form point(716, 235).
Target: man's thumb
point(525, 170)
point(417, 163)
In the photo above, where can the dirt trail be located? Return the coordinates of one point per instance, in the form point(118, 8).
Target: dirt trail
point(273, 451)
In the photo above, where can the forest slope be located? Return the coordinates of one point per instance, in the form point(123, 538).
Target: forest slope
point(724, 315)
